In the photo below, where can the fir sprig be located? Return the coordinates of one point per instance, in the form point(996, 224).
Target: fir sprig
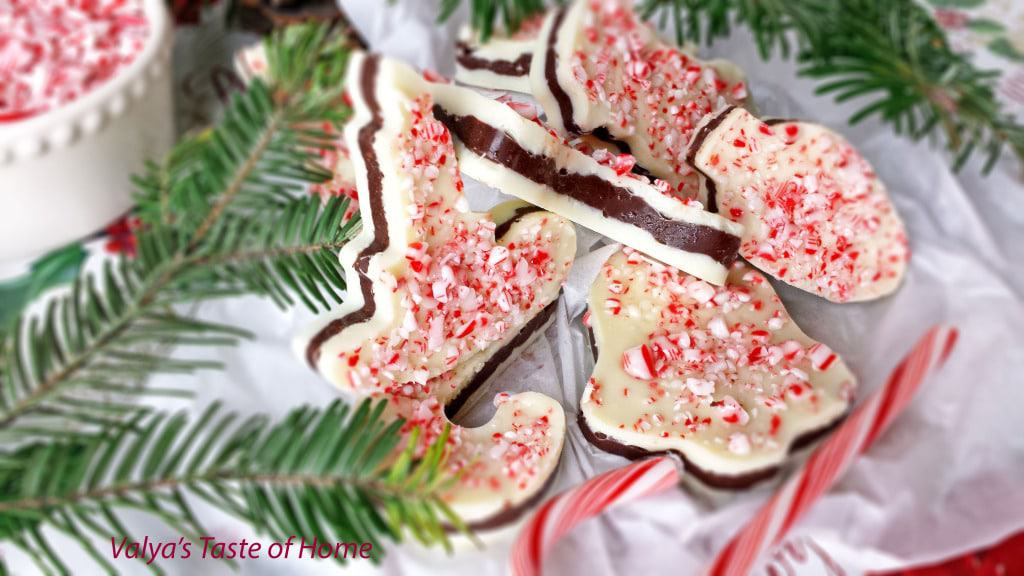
point(328, 474)
point(890, 54)
point(226, 213)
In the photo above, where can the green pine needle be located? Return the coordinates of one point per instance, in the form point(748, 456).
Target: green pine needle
point(226, 212)
point(320, 473)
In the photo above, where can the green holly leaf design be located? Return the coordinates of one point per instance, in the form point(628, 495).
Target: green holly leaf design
point(986, 26)
point(1006, 49)
point(55, 268)
point(957, 3)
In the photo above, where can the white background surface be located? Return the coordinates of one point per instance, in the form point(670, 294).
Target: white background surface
point(947, 477)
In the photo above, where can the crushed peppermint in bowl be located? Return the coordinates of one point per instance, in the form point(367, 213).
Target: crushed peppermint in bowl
point(53, 52)
point(86, 97)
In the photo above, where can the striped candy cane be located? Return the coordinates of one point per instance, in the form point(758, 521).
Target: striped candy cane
point(561, 513)
point(834, 456)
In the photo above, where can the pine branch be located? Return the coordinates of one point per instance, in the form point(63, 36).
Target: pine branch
point(892, 54)
point(225, 213)
point(329, 474)
point(283, 253)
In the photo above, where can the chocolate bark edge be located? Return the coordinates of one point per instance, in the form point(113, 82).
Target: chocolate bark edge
point(707, 477)
point(712, 193)
point(503, 227)
point(602, 134)
point(551, 75)
point(510, 514)
point(466, 57)
point(493, 363)
point(612, 201)
point(698, 141)
point(380, 242)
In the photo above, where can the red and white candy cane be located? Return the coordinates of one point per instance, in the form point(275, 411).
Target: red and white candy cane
point(561, 513)
point(834, 456)
point(564, 511)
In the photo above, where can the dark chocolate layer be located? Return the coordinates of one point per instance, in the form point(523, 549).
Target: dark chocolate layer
point(503, 227)
point(691, 155)
point(706, 477)
point(712, 189)
point(466, 56)
point(551, 75)
point(613, 201)
point(495, 361)
point(374, 200)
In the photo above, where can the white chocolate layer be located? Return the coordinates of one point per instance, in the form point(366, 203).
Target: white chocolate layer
point(720, 374)
point(815, 214)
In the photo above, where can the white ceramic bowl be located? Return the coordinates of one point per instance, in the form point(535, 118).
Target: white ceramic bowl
point(66, 172)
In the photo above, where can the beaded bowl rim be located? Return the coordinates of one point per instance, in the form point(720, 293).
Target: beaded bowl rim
point(64, 125)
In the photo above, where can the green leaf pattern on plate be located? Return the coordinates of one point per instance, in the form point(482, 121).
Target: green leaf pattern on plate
point(54, 269)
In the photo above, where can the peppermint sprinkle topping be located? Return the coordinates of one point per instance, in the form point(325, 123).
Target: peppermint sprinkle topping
point(720, 365)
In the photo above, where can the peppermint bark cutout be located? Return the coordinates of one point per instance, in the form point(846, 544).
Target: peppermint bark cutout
point(598, 67)
point(499, 147)
point(719, 375)
point(815, 214)
point(437, 304)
